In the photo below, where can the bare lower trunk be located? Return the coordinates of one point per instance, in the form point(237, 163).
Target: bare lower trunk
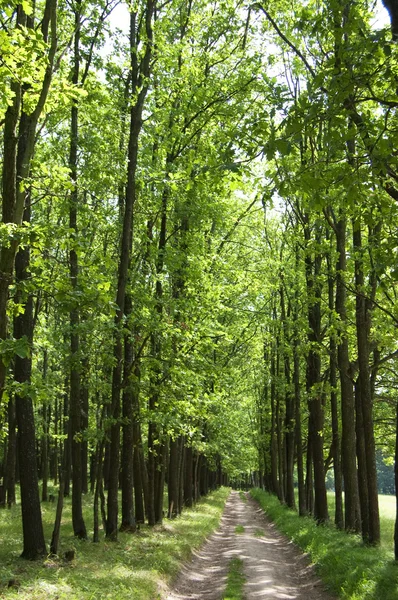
point(60, 505)
point(336, 449)
point(371, 534)
point(188, 479)
point(348, 438)
point(173, 487)
point(128, 517)
point(11, 461)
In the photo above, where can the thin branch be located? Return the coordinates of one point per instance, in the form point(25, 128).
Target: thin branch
point(284, 38)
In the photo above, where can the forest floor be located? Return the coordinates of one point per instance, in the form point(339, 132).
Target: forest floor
point(273, 566)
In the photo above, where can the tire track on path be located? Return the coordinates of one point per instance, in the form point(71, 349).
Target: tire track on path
point(273, 566)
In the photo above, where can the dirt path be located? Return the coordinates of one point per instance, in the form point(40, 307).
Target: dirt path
point(273, 566)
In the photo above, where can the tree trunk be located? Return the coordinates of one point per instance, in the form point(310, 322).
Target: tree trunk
point(361, 462)
point(138, 455)
point(151, 474)
point(336, 450)
point(84, 403)
point(34, 546)
point(11, 458)
point(290, 415)
point(60, 504)
point(97, 476)
point(188, 480)
point(140, 71)
point(348, 438)
point(79, 527)
point(309, 476)
point(54, 461)
point(18, 153)
point(273, 441)
point(44, 455)
point(181, 470)
point(298, 434)
point(67, 442)
point(363, 326)
point(312, 270)
point(173, 483)
point(9, 198)
point(160, 481)
point(128, 517)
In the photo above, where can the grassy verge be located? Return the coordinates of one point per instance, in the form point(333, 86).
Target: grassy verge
point(236, 580)
point(349, 570)
point(133, 567)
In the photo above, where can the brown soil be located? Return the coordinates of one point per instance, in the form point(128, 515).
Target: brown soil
point(274, 567)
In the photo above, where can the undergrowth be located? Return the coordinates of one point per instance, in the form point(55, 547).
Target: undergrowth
point(349, 569)
point(133, 567)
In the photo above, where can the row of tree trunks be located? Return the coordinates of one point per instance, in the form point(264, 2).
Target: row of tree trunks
point(19, 145)
point(352, 451)
point(140, 76)
point(364, 410)
point(315, 407)
point(348, 437)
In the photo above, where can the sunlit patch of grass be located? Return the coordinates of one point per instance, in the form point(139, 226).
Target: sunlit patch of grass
point(242, 496)
point(133, 567)
point(239, 529)
point(387, 517)
point(348, 568)
point(236, 580)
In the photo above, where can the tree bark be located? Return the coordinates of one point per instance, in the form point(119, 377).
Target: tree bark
point(139, 468)
point(173, 483)
point(34, 546)
point(85, 407)
point(79, 527)
point(290, 413)
point(348, 437)
point(18, 153)
point(188, 477)
point(312, 269)
point(60, 505)
point(363, 310)
point(11, 458)
point(298, 433)
point(273, 441)
point(140, 70)
point(336, 449)
point(127, 476)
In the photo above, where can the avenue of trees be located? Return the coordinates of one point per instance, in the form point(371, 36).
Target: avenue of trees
point(198, 257)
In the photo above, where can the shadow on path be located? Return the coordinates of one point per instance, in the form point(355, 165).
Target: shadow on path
point(273, 566)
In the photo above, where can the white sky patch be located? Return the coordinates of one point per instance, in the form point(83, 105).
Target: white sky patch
point(120, 18)
point(381, 18)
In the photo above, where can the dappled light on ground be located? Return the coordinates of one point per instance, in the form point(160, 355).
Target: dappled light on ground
point(273, 566)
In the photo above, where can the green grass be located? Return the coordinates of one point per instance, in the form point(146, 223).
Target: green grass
point(242, 496)
point(349, 570)
point(133, 567)
point(387, 517)
point(239, 529)
point(259, 533)
point(236, 580)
